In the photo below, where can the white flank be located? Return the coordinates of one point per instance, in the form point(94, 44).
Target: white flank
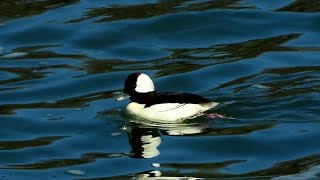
point(168, 112)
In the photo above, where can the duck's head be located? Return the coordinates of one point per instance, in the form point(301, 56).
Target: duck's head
point(138, 87)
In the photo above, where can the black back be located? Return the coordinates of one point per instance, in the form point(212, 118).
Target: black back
point(152, 98)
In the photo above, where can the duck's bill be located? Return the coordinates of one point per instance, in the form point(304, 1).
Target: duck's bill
point(123, 97)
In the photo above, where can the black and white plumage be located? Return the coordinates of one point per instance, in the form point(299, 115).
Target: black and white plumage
point(165, 107)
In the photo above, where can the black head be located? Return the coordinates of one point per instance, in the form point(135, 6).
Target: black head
point(139, 87)
point(131, 84)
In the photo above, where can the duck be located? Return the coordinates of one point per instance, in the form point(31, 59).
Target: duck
point(167, 107)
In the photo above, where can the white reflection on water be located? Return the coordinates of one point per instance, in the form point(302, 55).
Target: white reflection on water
point(312, 173)
point(145, 136)
point(14, 54)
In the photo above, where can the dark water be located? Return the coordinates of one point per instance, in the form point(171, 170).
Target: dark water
point(63, 62)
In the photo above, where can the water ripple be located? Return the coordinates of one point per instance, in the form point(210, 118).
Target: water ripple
point(18, 9)
point(142, 11)
point(62, 64)
point(56, 163)
point(311, 6)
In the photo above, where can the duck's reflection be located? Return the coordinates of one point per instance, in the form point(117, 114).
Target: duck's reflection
point(144, 142)
point(145, 137)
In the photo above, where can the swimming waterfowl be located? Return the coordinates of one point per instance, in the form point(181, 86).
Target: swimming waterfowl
point(167, 107)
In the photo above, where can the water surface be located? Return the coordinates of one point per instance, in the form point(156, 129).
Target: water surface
point(63, 62)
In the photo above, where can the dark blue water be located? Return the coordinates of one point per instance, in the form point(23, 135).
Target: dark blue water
point(62, 64)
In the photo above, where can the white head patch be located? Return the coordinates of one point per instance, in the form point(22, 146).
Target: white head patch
point(144, 84)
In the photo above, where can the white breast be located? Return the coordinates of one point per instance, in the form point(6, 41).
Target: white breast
point(168, 112)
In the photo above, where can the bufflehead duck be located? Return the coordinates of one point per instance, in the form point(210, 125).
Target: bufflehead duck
point(168, 107)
